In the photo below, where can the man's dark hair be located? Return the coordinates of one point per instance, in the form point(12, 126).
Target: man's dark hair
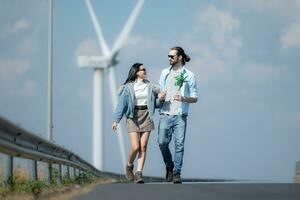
point(180, 52)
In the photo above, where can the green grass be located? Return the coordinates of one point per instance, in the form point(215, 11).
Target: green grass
point(36, 186)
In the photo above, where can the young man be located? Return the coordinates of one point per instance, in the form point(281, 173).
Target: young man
point(179, 90)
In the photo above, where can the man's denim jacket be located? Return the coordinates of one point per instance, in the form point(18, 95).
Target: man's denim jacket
point(126, 101)
point(188, 89)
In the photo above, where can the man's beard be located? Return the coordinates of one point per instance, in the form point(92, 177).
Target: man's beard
point(173, 63)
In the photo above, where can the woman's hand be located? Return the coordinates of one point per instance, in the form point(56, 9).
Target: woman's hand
point(114, 126)
point(162, 96)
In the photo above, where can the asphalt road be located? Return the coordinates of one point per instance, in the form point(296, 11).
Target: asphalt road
point(195, 191)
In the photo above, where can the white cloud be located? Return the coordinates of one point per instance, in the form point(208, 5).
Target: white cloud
point(260, 72)
point(87, 46)
point(206, 63)
point(208, 66)
point(137, 41)
point(213, 58)
point(223, 29)
point(10, 72)
point(149, 46)
point(151, 52)
point(290, 7)
point(15, 27)
point(223, 26)
point(20, 25)
point(291, 36)
point(222, 21)
point(133, 44)
point(12, 69)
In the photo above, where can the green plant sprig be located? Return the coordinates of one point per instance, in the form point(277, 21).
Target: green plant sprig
point(180, 79)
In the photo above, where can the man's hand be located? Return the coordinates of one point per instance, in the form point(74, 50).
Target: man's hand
point(162, 96)
point(178, 97)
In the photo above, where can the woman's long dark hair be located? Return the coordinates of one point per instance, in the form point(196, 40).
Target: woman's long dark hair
point(180, 52)
point(132, 73)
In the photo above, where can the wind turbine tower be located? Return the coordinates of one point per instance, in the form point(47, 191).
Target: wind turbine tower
point(107, 61)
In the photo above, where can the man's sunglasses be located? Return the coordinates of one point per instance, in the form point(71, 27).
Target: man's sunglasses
point(171, 56)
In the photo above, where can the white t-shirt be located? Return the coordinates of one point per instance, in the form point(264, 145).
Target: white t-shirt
point(171, 106)
point(140, 92)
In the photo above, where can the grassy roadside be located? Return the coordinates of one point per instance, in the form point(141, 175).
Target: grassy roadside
point(67, 188)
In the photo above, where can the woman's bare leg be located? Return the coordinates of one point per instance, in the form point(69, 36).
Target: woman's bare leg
point(144, 136)
point(134, 139)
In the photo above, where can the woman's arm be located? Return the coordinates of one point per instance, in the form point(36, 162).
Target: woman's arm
point(158, 98)
point(121, 107)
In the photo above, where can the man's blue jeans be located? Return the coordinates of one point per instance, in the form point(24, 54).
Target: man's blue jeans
point(172, 126)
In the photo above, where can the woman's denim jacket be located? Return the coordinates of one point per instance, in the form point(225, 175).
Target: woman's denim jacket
point(126, 101)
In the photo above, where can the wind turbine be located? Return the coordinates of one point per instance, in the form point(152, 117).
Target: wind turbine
point(99, 63)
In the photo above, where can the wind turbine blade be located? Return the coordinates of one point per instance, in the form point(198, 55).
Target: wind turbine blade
point(127, 28)
point(98, 30)
point(114, 99)
point(121, 144)
point(111, 70)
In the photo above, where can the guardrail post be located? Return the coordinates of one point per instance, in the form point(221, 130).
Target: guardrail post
point(35, 171)
point(60, 173)
point(73, 172)
point(68, 172)
point(50, 173)
point(2, 169)
point(11, 169)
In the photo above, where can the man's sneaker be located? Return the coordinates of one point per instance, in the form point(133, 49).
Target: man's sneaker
point(169, 174)
point(129, 173)
point(176, 178)
point(139, 177)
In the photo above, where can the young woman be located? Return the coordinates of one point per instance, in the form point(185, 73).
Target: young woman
point(138, 99)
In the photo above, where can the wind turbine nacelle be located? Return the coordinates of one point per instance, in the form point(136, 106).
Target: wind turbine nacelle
point(93, 61)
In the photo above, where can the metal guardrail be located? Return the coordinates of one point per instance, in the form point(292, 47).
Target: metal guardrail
point(18, 142)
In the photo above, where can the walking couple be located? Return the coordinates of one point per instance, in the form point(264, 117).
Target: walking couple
point(138, 99)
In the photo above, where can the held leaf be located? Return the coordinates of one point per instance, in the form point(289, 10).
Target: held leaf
point(180, 79)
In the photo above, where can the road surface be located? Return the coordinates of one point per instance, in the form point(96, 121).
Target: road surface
point(195, 191)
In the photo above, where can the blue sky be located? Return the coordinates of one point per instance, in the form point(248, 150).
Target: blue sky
point(245, 55)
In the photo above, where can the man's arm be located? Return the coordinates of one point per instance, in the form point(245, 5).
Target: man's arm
point(193, 98)
point(189, 99)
